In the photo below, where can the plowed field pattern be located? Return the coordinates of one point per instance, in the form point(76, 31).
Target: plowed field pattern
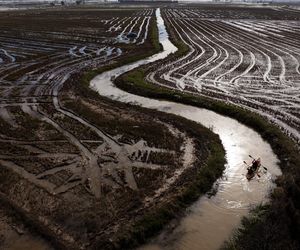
point(78, 165)
point(38, 54)
point(248, 56)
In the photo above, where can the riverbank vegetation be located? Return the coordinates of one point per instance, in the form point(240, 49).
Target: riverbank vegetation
point(203, 176)
point(275, 226)
point(153, 47)
point(81, 170)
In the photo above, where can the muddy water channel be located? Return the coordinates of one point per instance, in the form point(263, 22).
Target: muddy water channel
point(210, 220)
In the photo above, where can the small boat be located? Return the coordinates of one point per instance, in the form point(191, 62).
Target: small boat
point(253, 169)
point(250, 174)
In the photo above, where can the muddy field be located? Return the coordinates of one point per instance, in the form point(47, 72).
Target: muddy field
point(245, 55)
point(77, 169)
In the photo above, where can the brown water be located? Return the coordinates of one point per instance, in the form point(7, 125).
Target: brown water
point(24, 241)
point(210, 220)
point(28, 243)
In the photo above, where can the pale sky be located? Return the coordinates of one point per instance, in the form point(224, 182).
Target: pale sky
point(24, 1)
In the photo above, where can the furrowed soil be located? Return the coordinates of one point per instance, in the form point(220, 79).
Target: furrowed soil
point(79, 171)
point(242, 62)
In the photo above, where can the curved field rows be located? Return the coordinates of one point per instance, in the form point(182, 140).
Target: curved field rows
point(33, 70)
point(83, 167)
point(252, 62)
point(137, 24)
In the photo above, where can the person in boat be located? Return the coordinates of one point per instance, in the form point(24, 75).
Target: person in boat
point(255, 166)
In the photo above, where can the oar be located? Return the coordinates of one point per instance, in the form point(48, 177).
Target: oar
point(261, 164)
point(247, 164)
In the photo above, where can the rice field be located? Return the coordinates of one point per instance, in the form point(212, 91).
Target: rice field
point(248, 56)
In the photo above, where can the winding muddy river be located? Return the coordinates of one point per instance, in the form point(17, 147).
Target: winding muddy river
point(210, 220)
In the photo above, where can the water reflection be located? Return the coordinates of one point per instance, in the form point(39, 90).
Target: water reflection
point(211, 219)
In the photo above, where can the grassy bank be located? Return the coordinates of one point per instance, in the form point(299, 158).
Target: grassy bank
point(202, 179)
point(151, 223)
point(280, 220)
point(266, 226)
point(154, 48)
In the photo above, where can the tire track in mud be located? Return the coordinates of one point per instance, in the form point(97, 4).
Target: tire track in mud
point(204, 223)
point(261, 42)
point(269, 69)
point(207, 61)
point(238, 43)
point(45, 81)
point(53, 75)
point(8, 55)
point(241, 56)
point(146, 32)
point(266, 74)
point(179, 82)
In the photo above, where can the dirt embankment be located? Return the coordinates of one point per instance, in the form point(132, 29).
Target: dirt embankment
point(277, 225)
point(79, 170)
point(138, 153)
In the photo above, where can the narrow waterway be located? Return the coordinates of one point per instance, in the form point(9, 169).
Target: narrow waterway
point(210, 220)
